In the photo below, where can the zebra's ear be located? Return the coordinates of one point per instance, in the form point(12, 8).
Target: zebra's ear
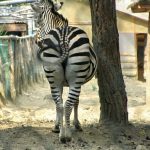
point(36, 7)
point(58, 6)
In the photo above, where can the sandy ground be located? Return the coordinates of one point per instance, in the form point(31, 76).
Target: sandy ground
point(28, 124)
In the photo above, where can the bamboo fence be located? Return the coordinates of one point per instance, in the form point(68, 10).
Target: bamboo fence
point(19, 67)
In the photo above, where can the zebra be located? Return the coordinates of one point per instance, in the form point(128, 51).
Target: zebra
point(68, 60)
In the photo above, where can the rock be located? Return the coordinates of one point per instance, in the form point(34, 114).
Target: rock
point(141, 147)
point(129, 137)
point(99, 147)
point(148, 138)
point(114, 147)
point(86, 107)
point(90, 133)
point(82, 142)
point(82, 145)
point(119, 141)
point(80, 139)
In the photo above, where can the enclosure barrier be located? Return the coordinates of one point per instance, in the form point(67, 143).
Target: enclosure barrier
point(19, 67)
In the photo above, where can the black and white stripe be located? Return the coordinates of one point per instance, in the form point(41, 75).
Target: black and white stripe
point(68, 60)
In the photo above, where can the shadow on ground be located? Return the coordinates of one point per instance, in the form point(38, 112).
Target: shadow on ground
point(32, 136)
point(28, 125)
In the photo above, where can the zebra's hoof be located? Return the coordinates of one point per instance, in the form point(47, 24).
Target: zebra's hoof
point(56, 129)
point(68, 139)
point(68, 134)
point(78, 128)
point(62, 139)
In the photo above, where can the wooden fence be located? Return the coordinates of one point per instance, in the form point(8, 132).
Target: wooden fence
point(19, 67)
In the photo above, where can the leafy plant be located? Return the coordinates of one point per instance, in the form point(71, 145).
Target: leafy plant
point(2, 31)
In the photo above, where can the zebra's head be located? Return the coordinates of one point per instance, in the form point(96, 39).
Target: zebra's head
point(43, 5)
point(45, 10)
point(54, 3)
point(47, 17)
point(40, 6)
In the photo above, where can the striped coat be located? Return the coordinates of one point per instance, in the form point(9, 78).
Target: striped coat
point(68, 60)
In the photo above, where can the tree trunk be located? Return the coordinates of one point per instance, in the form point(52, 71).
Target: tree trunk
point(112, 92)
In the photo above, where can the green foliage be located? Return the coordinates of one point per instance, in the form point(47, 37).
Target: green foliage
point(2, 31)
point(94, 87)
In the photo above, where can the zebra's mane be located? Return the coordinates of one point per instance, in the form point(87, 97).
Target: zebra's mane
point(59, 15)
point(49, 2)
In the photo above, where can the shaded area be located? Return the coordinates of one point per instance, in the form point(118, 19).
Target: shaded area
point(39, 135)
point(28, 124)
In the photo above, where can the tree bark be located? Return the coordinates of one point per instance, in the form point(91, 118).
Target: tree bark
point(112, 92)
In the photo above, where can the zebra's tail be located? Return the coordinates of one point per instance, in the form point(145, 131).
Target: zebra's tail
point(64, 46)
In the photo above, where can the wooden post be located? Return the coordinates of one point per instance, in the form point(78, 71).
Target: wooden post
point(12, 79)
point(148, 65)
point(2, 92)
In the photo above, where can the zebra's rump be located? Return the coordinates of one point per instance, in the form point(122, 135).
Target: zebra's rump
point(69, 45)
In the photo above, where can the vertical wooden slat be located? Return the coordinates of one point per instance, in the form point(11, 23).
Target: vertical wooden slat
point(23, 68)
point(2, 93)
point(148, 65)
point(11, 68)
point(20, 79)
point(30, 70)
point(17, 68)
point(36, 71)
point(135, 45)
point(24, 63)
point(4, 68)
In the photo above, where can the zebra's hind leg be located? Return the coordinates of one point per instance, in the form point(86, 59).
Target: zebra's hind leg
point(56, 128)
point(55, 76)
point(61, 128)
point(59, 108)
point(73, 97)
point(57, 96)
point(76, 120)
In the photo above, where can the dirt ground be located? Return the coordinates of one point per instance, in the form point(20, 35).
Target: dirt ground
point(28, 124)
